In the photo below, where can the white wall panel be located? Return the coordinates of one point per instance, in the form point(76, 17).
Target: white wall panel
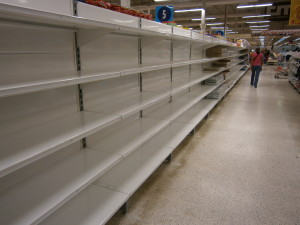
point(32, 53)
point(105, 92)
point(181, 51)
point(22, 111)
point(26, 38)
point(196, 71)
point(111, 43)
point(16, 68)
point(156, 46)
point(155, 58)
point(158, 81)
point(197, 52)
point(180, 76)
point(110, 53)
point(156, 53)
point(108, 61)
point(55, 6)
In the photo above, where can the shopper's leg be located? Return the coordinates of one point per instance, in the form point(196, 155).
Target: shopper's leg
point(257, 72)
point(252, 76)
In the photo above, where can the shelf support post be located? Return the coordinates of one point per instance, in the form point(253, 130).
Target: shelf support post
point(78, 68)
point(124, 208)
point(192, 132)
point(169, 158)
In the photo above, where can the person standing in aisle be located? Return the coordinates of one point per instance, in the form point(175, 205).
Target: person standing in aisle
point(256, 66)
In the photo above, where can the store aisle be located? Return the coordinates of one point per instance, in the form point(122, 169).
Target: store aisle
point(241, 167)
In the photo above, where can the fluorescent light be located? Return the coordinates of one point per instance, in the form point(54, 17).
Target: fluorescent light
point(259, 26)
point(215, 28)
point(265, 21)
point(251, 6)
point(188, 10)
point(212, 24)
point(232, 32)
point(229, 30)
point(260, 29)
point(298, 39)
point(161, 0)
point(255, 16)
point(208, 18)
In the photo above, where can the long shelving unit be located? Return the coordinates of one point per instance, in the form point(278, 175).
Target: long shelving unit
point(92, 102)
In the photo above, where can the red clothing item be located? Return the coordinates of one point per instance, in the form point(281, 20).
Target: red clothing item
point(257, 60)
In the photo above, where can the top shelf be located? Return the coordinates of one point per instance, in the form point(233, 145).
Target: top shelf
point(91, 18)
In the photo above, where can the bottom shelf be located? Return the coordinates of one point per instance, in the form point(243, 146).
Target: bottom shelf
point(95, 205)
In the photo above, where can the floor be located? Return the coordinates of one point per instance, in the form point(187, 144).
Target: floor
point(242, 166)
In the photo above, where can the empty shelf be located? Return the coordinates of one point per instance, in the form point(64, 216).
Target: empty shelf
point(123, 140)
point(132, 103)
point(93, 206)
point(42, 140)
point(130, 174)
point(172, 135)
point(22, 88)
point(197, 112)
point(43, 192)
point(196, 94)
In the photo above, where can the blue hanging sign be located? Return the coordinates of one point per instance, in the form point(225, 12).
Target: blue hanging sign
point(164, 13)
point(219, 32)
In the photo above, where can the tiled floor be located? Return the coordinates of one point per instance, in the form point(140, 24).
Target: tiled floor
point(242, 166)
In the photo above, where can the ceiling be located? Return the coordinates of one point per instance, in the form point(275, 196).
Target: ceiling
point(235, 22)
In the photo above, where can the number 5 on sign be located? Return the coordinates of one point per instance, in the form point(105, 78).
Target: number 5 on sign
point(164, 13)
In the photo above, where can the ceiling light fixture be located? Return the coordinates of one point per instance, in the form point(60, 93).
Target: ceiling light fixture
point(252, 6)
point(260, 29)
point(298, 39)
point(212, 24)
point(188, 10)
point(161, 0)
point(216, 28)
point(208, 18)
point(256, 16)
point(259, 26)
point(265, 21)
point(232, 32)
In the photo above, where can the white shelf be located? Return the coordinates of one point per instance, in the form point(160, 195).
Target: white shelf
point(92, 19)
point(23, 88)
point(46, 190)
point(93, 206)
point(132, 103)
point(179, 106)
point(42, 140)
point(198, 112)
point(172, 135)
point(81, 78)
point(125, 139)
point(131, 173)
point(129, 104)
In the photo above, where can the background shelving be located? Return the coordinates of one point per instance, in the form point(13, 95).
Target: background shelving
point(90, 107)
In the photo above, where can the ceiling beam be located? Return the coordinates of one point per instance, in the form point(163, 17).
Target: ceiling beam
point(181, 5)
